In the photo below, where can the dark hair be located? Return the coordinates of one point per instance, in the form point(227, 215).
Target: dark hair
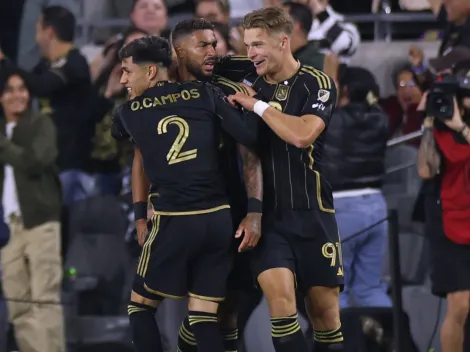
point(186, 27)
point(360, 83)
point(399, 69)
point(6, 74)
point(301, 14)
point(61, 20)
point(152, 49)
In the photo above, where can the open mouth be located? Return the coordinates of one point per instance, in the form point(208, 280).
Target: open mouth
point(258, 63)
point(209, 65)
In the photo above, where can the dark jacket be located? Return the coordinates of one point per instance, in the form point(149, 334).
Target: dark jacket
point(4, 230)
point(355, 147)
point(310, 55)
point(32, 152)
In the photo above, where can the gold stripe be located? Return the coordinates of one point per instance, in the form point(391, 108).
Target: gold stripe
point(239, 58)
point(193, 212)
point(236, 87)
point(206, 298)
point(318, 181)
point(340, 339)
point(319, 80)
point(320, 75)
point(164, 295)
point(141, 268)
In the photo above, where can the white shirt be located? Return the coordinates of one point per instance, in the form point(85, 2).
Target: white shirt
point(11, 206)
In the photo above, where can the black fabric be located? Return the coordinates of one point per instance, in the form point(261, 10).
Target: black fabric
point(355, 147)
point(206, 331)
point(287, 335)
point(455, 36)
point(145, 332)
point(186, 340)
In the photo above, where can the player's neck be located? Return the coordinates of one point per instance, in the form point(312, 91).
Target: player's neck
point(185, 75)
point(289, 67)
point(298, 43)
point(58, 50)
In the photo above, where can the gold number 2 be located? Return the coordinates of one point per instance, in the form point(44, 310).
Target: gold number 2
point(175, 155)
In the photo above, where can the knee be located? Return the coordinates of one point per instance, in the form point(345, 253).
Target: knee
point(458, 307)
point(143, 301)
point(323, 307)
point(282, 304)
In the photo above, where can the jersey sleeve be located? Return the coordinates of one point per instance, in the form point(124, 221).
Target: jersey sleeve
point(233, 120)
point(118, 131)
point(234, 68)
point(321, 94)
point(227, 86)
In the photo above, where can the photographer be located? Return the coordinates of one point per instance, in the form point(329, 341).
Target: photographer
point(444, 162)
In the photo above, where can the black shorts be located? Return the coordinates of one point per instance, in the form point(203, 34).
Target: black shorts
point(450, 264)
point(186, 255)
point(304, 241)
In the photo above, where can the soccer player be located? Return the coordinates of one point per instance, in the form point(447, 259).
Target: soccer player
point(300, 243)
point(194, 42)
point(176, 128)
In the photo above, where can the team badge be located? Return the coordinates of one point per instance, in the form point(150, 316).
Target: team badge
point(282, 92)
point(323, 95)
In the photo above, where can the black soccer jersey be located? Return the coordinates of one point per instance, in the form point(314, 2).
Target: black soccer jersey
point(177, 128)
point(293, 176)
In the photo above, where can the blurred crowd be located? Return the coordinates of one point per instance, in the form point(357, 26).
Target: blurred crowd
point(56, 144)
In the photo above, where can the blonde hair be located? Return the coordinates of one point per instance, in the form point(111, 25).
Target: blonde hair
point(272, 19)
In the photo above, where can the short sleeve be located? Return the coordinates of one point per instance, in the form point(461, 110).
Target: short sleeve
point(321, 95)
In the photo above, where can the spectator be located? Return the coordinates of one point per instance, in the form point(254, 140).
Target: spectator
point(401, 108)
point(107, 153)
point(457, 32)
point(304, 50)
point(333, 33)
point(354, 165)
point(213, 10)
point(31, 262)
point(222, 34)
point(149, 16)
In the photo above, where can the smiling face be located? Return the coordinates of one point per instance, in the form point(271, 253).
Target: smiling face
point(135, 78)
point(265, 50)
point(197, 52)
point(15, 98)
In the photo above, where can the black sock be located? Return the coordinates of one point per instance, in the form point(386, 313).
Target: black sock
point(145, 333)
point(206, 331)
point(328, 341)
point(230, 340)
point(186, 339)
point(287, 335)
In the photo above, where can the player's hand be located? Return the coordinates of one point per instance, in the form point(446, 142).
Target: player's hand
point(251, 91)
point(244, 100)
point(250, 229)
point(142, 231)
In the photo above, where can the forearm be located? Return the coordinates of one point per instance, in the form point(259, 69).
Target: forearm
point(140, 183)
point(292, 129)
point(466, 133)
point(252, 173)
point(428, 158)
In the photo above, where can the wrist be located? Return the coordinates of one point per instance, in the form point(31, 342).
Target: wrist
point(260, 107)
point(463, 129)
point(428, 122)
point(254, 205)
point(140, 211)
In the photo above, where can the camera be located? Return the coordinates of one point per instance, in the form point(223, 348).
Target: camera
point(440, 99)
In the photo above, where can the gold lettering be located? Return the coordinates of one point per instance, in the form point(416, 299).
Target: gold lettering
point(329, 252)
point(135, 105)
point(166, 97)
point(194, 93)
point(175, 155)
point(185, 95)
point(176, 96)
point(147, 103)
point(156, 102)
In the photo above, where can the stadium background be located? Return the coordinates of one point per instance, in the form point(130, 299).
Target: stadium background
point(380, 52)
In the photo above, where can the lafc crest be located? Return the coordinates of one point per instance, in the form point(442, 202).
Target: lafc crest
point(282, 92)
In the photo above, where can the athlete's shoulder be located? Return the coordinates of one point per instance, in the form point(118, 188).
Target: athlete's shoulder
point(229, 87)
point(314, 77)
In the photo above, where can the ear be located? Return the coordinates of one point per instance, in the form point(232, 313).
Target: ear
point(152, 72)
point(180, 52)
point(284, 41)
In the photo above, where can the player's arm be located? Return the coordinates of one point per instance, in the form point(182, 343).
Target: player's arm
point(300, 131)
point(233, 120)
point(140, 192)
point(234, 67)
point(429, 159)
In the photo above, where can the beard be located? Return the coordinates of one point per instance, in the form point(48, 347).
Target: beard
point(195, 69)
